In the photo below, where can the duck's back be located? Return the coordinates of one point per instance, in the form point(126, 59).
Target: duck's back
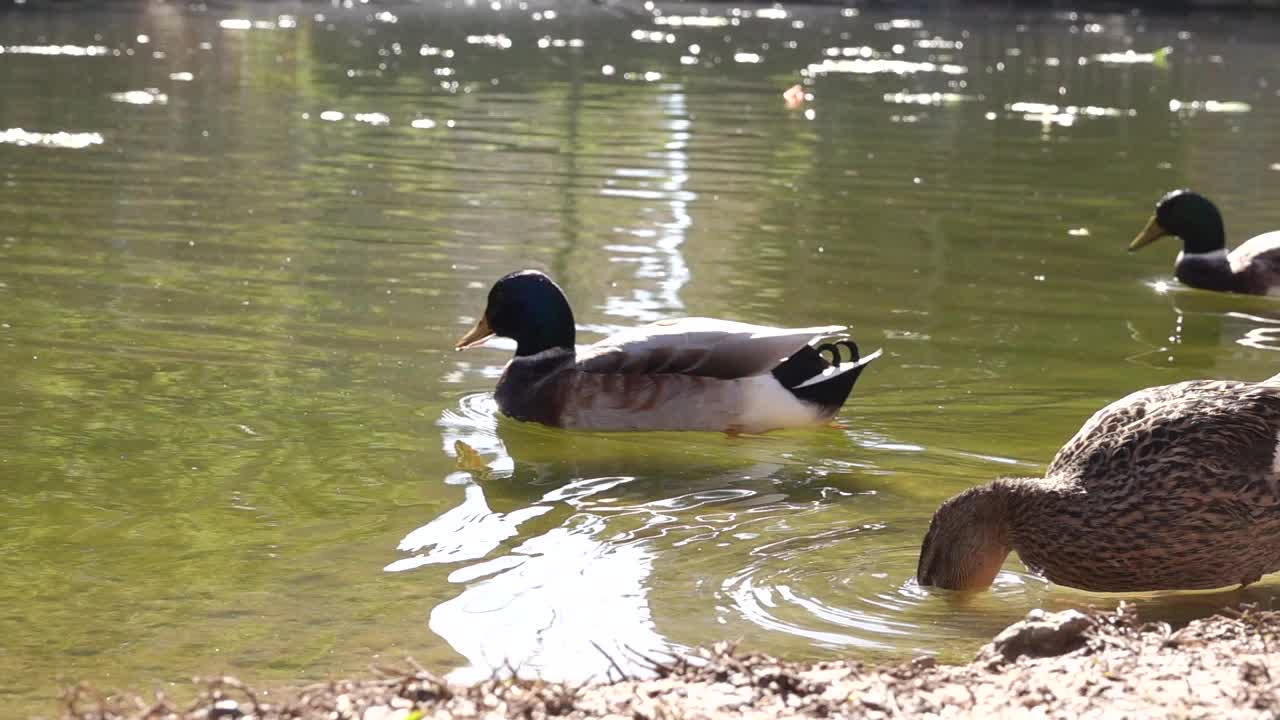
point(1158, 433)
point(1174, 487)
point(1257, 263)
point(704, 347)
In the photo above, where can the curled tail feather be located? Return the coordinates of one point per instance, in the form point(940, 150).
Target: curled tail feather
point(811, 377)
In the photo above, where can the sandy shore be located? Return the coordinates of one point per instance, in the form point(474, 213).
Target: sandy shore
point(1050, 665)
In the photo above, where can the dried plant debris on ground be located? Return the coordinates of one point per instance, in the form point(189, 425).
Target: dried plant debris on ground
point(1067, 664)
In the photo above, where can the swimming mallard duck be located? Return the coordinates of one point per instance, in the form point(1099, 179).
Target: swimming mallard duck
point(1252, 268)
point(1171, 488)
point(688, 374)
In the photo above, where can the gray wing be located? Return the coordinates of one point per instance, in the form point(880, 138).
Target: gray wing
point(1259, 258)
point(703, 347)
point(1200, 431)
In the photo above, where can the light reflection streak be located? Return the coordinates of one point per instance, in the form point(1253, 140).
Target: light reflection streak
point(74, 141)
point(665, 266)
point(537, 607)
point(545, 606)
point(538, 578)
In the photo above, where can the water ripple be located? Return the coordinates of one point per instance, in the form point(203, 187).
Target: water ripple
point(820, 588)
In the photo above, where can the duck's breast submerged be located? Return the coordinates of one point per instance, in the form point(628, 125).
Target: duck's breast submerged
point(534, 388)
point(1207, 271)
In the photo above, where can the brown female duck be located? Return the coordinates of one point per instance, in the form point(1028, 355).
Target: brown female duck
point(1253, 268)
point(1171, 488)
point(688, 374)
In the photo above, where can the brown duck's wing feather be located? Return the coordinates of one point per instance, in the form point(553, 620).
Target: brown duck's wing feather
point(1258, 259)
point(702, 347)
point(1206, 436)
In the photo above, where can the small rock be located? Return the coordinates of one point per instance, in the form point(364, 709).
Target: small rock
point(225, 710)
point(1041, 634)
point(1254, 673)
point(924, 662)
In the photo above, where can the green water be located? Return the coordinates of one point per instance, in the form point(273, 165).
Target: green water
point(229, 404)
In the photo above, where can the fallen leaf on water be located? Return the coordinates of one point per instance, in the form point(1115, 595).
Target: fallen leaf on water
point(795, 96)
point(468, 458)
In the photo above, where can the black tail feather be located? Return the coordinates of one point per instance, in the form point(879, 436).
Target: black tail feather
point(796, 373)
point(804, 364)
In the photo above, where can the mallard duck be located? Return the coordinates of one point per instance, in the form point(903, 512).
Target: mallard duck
point(1253, 268)
point(687, 374)
point(1171, 488)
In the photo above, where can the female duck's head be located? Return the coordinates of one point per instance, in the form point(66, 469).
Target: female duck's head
point(529, 308)
point(968, 540)
point(1188, 215)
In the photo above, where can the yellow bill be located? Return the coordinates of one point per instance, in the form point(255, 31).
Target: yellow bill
point(1151, 233)
point(475, 335)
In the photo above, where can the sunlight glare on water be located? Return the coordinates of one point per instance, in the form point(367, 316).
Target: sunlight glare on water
point(237, 249)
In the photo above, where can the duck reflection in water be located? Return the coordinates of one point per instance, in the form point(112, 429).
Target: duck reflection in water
point(1202, 325)
point(560, 540)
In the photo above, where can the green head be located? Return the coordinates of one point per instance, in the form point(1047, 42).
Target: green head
point(529, 308)
point(1188, 215)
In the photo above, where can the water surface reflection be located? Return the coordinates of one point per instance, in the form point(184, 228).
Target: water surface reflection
point(567, 543)
point(239, 241)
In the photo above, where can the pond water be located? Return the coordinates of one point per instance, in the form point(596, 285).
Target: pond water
point(236, 247)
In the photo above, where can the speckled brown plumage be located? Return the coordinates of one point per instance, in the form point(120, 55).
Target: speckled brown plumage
point(1172, 487)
